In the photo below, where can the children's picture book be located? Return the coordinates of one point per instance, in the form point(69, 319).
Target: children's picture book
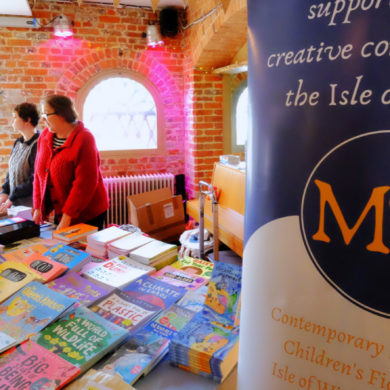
point(177, 277)
point(11, 221)
point(22, 253)
point(195, 266)
point(31, 309)
point(98, 380)
point(223, 294)
point(73, 258)
point(29, 366)
point(81, 337)
point(75, 286)
point(170, 321)
point(205, 347)
point(154, 291)
point(117, 272)
point(124, 310)
point(74, 233)
point(44, 266)
point(194, 300)
point(14, 276)
point(135, 357)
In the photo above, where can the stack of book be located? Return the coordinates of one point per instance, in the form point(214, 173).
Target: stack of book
point(80, 337)
point(73, 258)
point(74, 233)
point(208, 344)
point(178, 277)
point(98, 242)
point(28, 311)
point(74, 286)
point(156, 253)
point(127, 244)
point(117, 272)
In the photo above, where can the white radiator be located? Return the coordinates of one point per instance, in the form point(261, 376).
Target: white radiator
point(120, 187)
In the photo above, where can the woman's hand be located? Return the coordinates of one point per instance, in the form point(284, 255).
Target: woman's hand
point(36, 216)
point(5, 205)
point(65, 222)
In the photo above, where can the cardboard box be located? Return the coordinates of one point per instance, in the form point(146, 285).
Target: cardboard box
point(158, 213)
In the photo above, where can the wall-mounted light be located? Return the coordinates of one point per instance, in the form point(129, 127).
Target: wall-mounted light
point(62, 27)
point(153, 36)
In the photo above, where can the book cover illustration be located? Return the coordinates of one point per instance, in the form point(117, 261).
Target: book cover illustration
point(81, 337)
point(154, 291)
point(31, 309)
point(117, 272)
point(126, 311)
point(74, 232)
point(44, 266)
point(194, 300)
point(195, 266)
point(223, 293)
point(177, 277)
point(22, 253)
point(75, 286)
point(73, 258)
point(135, 357)
point(29, 366)
point(170, 321)
point(13, 276)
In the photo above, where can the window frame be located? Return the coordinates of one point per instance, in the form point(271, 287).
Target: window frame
point(160, 121)
point(236, 95)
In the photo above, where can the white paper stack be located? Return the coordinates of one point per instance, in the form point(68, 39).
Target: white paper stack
point(127, 244)
point(98, 242)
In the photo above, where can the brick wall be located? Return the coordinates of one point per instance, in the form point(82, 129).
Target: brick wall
point(33, 63)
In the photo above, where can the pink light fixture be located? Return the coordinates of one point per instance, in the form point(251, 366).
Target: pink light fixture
point(153, 37)
point(62, 27)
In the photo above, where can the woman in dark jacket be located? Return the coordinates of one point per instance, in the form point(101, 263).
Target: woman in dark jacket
point(18, 186)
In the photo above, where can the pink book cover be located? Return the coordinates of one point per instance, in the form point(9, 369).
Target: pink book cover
point(34, 367)
point(180, 278)
point(44, 266)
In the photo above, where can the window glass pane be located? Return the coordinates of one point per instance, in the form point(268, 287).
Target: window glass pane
point(122, 115)
point(242, 117)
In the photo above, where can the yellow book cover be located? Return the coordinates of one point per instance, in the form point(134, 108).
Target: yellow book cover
point(14, 276)
point(74, 232)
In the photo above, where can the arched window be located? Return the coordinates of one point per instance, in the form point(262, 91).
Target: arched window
point(122, 111)
point(240, 117)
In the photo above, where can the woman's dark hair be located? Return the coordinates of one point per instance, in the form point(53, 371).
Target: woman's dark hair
point(28, 110)
point(62, 106)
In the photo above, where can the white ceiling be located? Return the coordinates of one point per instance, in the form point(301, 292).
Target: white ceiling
point(15, 7)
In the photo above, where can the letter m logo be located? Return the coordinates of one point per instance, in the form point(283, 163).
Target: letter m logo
point(376, 201)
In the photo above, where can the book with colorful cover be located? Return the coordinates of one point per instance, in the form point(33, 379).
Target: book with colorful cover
point(124, 310)
point(205, 347)
point(177, 277)
point(31, 309)
point(136, 357)
point(14, 276)
point(73, 258)
point(44, 266)
point(222, 301)
point(194, 300)
point(117, 272)
point(75, 286)
point(195, 266)
point(170, 321)
point(154, 291)
point(22, 253)
point(98, 380)
point(11, 221)
point(74, 232)
point(81, 337)
point(29, 366)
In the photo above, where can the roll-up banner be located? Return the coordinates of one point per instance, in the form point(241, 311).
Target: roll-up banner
point(316, 267)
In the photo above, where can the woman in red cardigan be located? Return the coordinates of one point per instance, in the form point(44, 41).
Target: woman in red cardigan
point(67, 176)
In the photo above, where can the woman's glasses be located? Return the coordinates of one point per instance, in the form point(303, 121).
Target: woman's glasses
point(45, 116)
